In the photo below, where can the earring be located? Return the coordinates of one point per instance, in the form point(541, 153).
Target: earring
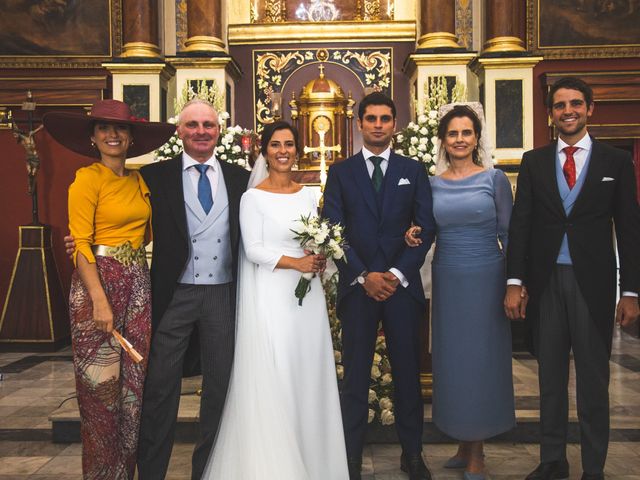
point(93, 144)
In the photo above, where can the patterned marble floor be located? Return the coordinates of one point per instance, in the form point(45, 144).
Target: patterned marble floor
point(37, 384)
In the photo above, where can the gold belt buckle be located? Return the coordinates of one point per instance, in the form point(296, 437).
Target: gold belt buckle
point(123, 253)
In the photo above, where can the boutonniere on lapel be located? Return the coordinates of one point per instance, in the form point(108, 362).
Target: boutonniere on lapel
point(404, 181)
point(607, 179)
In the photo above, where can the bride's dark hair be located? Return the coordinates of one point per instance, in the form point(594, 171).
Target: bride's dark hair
point(272, 128)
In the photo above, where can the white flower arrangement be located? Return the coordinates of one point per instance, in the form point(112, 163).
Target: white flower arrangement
point(320, 237)
point(229, 144)
point(418, 140)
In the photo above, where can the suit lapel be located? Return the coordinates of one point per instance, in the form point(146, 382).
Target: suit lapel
point(363, 180)
point(548, 165)
point(392, 177)
point(175, 194)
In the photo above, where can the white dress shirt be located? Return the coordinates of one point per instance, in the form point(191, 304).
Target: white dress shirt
point(213, 172)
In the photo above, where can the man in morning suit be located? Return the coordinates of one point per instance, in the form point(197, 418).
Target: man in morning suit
point(570, 195)
point(195, 202)
point(376, 195)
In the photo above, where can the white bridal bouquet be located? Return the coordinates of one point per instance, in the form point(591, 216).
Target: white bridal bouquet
point(320, 237)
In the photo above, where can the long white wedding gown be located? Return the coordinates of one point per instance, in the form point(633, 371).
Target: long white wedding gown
point(282, 417)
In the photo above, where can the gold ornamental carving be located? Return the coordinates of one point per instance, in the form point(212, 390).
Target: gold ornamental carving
point(371, 10)
point(275, 11)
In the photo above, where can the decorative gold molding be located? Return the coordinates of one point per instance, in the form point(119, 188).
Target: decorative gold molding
point(215, 63)
point(321, 32)
point(140, 50)
point(438, 40)
point(503, 44)
point(203, 43)
point(140, 68)
point(511, 62)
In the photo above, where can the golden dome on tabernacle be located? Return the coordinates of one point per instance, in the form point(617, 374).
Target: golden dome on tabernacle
point(322, 87)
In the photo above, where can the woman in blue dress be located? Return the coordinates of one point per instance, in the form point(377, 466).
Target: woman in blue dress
point(471, 336)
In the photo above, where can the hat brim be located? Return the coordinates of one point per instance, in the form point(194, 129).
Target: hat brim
point(74, 131)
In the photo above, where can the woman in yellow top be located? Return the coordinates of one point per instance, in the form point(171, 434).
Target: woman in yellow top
point(109, 216)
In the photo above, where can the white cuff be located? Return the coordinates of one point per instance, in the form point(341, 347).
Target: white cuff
point(400, 276)
point(630, 294)
point(514, 281)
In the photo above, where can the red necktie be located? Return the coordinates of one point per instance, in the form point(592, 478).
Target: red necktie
point(569, 167)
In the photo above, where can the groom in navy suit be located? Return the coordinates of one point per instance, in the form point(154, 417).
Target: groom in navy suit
point(377, 195)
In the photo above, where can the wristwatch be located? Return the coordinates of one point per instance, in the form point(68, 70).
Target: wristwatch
point(362, 277)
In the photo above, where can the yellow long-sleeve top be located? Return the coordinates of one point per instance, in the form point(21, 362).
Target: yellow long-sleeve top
point(105, 209)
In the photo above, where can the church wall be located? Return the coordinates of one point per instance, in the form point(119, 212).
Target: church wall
point(604, 112)
point(57, 171)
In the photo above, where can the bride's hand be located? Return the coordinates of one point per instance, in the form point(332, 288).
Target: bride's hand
point(411, 236)
point(311, 263)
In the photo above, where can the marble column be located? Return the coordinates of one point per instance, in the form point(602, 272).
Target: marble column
point(140, 29)
point(437, 24)
point(505, 26)
point(204, 26)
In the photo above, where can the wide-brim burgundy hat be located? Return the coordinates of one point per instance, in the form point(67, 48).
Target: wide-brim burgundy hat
point(74, 130)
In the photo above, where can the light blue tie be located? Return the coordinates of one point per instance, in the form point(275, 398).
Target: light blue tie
point(204, 188)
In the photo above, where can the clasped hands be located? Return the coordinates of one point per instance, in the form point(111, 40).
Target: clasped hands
point(380, 285)
point(311, 263)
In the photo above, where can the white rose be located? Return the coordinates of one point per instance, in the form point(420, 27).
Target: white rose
point(413, 151)
point(432, 170)
point(434, 150)
point(399, 138)
point(414, 140)
point(229, 137)
point(375, 372)
point(432, 122)
point(236, 149)
point(433, 114)
point(179, 141)
point(338, 253)
point(424, 141)
point(320, 238)
point(434, 139)
point(372, 396)
point(399, 151)
point(220, 149)
point(337, 356)
point(422, 147)
point(223, 115)
point(223, 157)
point(386, 417)
point(386, 379)
point(411, 125)
point(372, 415)
point(427, 157)
point(175, 148)
point(422, 118)
point(172, 120)
point(385, 403)
point(241, 162)
point(424, 131)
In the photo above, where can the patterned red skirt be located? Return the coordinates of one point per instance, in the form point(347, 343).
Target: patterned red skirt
point(108, 383)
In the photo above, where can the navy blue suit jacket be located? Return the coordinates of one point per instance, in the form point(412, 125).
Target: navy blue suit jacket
point(375, 234)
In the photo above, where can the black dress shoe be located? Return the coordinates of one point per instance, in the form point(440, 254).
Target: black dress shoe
point(354, 465)
point(414, 465)
point(593, 476)
point(557, 470)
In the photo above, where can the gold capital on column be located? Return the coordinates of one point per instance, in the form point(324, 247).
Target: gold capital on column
point(437, 24)
point(505, 21)
point(140, 29)
point(204, 26)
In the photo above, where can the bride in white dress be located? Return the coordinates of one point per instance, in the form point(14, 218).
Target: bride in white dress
point(282, 415)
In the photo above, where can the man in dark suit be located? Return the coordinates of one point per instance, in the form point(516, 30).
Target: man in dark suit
point(195, 250)
point(377, 195)
point(570, 194)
